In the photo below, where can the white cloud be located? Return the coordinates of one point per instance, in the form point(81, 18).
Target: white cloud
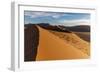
point(75, 22)
point(42, 14)
point(33, 14)
point(56, 16)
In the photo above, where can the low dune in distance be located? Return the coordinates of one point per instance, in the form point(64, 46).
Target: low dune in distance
point(52, 47)
point(84, 35)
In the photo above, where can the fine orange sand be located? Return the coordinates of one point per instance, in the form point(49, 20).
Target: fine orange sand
point(74, 40)
point(52, 47)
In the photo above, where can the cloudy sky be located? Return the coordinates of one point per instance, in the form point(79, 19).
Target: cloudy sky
point(56, 18)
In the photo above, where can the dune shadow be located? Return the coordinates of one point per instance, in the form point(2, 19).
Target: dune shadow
point(31, 41)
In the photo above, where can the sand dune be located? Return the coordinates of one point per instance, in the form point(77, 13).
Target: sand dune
point(74, 40)
point(52, 47)
point(84, 35)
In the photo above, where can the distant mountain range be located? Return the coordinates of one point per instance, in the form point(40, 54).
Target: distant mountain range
point(62, 28)
point(78, 28)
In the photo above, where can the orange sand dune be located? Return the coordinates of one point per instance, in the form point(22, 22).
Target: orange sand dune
point(74, 40)
point(52, 47)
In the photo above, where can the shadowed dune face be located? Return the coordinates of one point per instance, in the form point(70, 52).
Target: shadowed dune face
point(46, 42)
point(31, 41)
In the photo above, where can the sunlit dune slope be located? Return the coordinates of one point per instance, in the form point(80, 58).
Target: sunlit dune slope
point(74, 40)
point(52, 47)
